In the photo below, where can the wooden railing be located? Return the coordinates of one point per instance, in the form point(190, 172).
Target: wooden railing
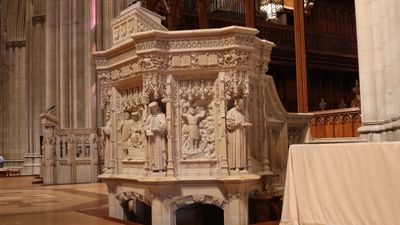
point(336, 123)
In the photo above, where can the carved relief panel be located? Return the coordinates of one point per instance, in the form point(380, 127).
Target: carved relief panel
point(196, 114)
point(130, 129)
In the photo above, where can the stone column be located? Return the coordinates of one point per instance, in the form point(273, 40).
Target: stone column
point(170, 135)
point(237, 209)
point(64, 47)
point(160, 206)
point(114, 155)
point(114, 208)
point(378, 53)
point(222, 151)
point(2, 78)
point(392, 61)
point(14, 82)
point(36, 84)
point(50, 54)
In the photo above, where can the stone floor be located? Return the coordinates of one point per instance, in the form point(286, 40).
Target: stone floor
point(22, 203)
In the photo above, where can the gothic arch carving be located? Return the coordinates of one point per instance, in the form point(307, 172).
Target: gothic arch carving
point(180, 202)
point(131, 195)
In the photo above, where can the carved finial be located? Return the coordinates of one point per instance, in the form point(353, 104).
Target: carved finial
point(342, 104)
point(323, 105)
point(356, 91)
point(51, 109)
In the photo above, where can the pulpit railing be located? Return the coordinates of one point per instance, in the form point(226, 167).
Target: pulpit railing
point(336, 123)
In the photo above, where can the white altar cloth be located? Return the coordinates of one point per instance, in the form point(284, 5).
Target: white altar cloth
point(342, 184)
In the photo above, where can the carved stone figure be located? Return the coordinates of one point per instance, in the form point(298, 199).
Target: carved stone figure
point(49, 141)
point(236, 125)
point(94, 146)
point(356, 102)
point(124, 130)
point(155, 131)
point(192, 120)
point(135, 141)
point(106, 132)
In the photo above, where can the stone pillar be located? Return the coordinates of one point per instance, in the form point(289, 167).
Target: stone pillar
point(378, 53)
point(64, 46)
point(160, 208)
point(170, 135)
point(2, 78)
point(36, 81)
point(236, 211)
point(114, 155)
point(223, 159)
point(14, 84)
point(50, 54)
point(114, 207)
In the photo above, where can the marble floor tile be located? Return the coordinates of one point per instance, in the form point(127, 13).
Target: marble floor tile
point(22, 203)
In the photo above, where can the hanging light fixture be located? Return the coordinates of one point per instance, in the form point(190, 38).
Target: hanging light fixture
point(308, 4)
point(271, 8)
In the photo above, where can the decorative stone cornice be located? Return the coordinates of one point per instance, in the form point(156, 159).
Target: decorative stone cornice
point(210, 49)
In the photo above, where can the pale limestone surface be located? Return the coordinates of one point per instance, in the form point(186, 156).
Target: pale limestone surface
point(195, 77)
point(379, 65)
point(69, 155)
point(45, 60)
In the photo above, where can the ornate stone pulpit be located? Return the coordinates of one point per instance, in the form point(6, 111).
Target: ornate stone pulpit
point(192, 118)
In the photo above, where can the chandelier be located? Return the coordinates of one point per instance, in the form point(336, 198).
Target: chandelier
point(272, 8)
point(308, 4)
